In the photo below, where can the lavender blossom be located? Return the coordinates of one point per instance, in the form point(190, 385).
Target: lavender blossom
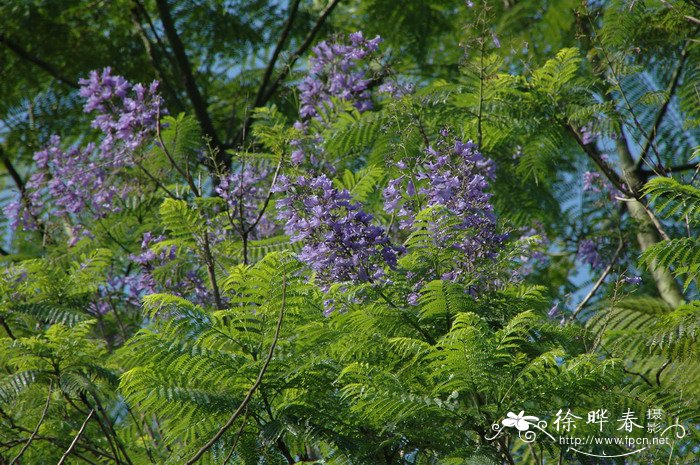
point(154, 258)
point(337, 71)
point(340, 241)
point(127, 114)
point(588, 253)
point(245, 191)
point(596, 183)
point(85, 179)
point(454, 175)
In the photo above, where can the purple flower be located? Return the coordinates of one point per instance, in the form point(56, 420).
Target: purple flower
point(157, 261)
point(587, 134)
point(127, 114)
point(636, 280)
point(245, 191)
point(454, 175)
point(337, 71)
point(341, 243)
point(595, 183)
point(86, 180)
point(554, 311)
point(396, 90)
point(588, 253)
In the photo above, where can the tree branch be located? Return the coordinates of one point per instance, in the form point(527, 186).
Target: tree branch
point(75, 439)
point(288, 67)
point(673, 84)
point(198, 102)
point(598, 283)
point(677, 169)
point(302, 49)
point(16, 178)
point(278, 49)
point(47, 67)
point(594, 154)
point(649, 230)
point(36, 429)
point(241, 408)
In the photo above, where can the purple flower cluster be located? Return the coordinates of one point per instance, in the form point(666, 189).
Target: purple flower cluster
point(588, 136)
point(334, 73)
point(588, 253)
point(245, 191)
point(74, 180)
point(337, 70)
point(395, 89)
point(454, 175)
point(533, 253)
point(154, 259)
point(340, 241)
point(127, 114)
point(85, 180)
point(595, 183)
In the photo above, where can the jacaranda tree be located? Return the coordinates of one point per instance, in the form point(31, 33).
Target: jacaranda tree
point(293, 242)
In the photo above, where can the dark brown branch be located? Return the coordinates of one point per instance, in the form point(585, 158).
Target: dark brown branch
point(288, 67)
point(36, 429)
point(594, 154)
point(47, 67)
point(278, 49)
point(177, 167)
point(677, 169)
point(16, 178)
point(7, 329)
point(670, 90)
point(241, 408)
point(267, 199)
point(198, 102)
point(238, 436)
point(22, 188)
point(301, 50)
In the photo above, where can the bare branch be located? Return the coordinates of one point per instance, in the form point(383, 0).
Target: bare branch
point(278, 49)
point(594, 154)
point(198, 102)
point(598, 283)
point(75, 439)
point(16, 178)
point(36, 429)
point(301, 50)
point(288, 66)
point(670, 90)
point(47, 67)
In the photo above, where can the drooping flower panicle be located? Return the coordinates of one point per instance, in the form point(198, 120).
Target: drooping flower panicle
point(85, 179)
point(454, 175)
point(340, 241)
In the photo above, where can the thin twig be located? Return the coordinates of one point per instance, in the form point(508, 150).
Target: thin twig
point(198, 102)
point(289, 65)
point(673, 84)
point(165, 150)
point(36, 429)
point(75, 439)
point(275, 54)
point(598, 283)
point(255, 385)
point(269, 196)
point(238, 436)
